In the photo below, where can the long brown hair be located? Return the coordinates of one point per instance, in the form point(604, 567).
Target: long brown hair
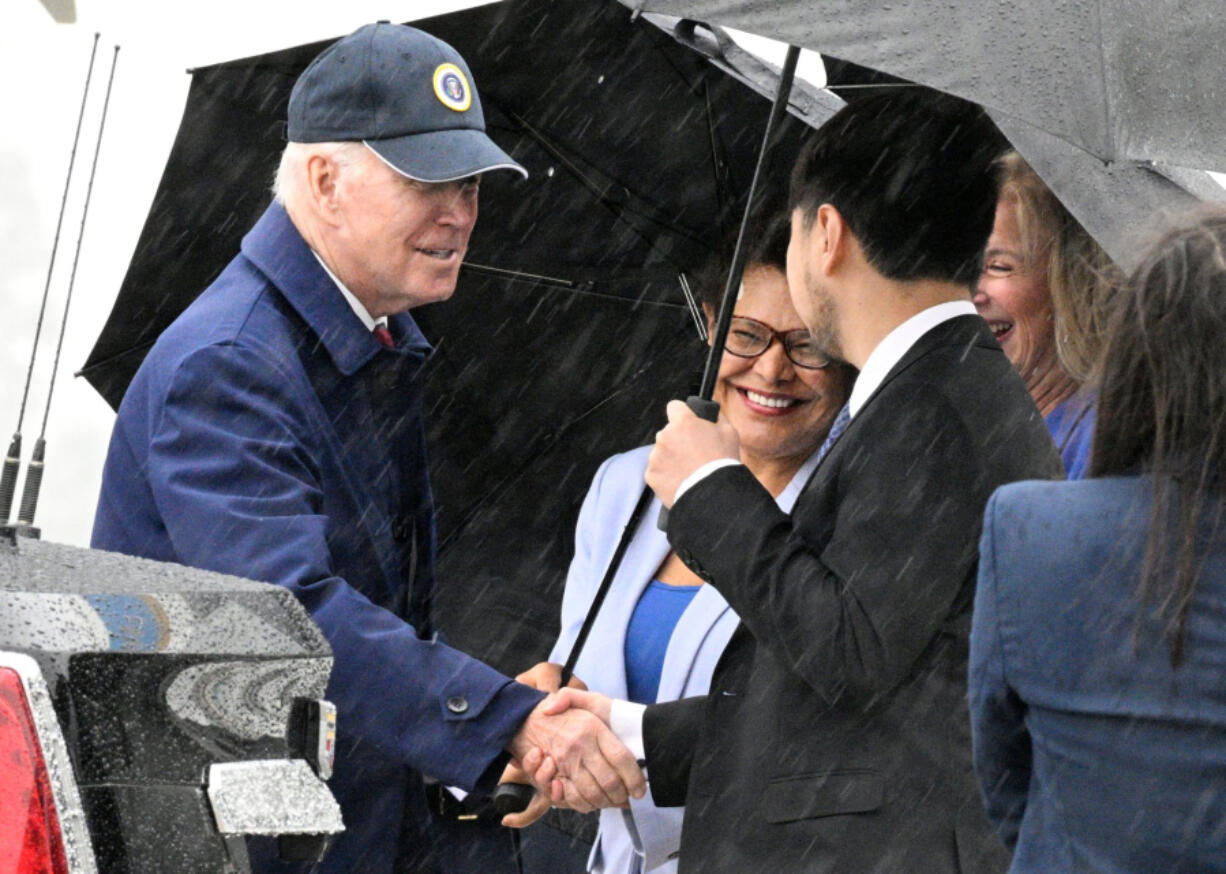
point(1162, 404)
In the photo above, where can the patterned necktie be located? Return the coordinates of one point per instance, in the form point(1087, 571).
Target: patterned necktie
point(836, 431)
point(383, 335)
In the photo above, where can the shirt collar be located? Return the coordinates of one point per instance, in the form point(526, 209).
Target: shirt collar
point(787, 497)
point(275, 247)
point(356, 305)
point(895, 345)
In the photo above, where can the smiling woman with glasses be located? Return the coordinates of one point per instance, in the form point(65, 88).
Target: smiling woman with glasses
point(749, 338)
point(776, 386)
point(660, 631)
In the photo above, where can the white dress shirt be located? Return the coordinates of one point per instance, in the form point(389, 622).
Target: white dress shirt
point(897, 343)
point(356, 305)
point(626, 717)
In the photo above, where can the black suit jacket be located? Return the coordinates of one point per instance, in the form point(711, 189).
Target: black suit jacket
point(835, 736)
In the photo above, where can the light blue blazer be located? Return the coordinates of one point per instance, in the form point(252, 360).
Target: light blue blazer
point(644, 837)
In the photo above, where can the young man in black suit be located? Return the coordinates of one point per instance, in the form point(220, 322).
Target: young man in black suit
point(835, 735)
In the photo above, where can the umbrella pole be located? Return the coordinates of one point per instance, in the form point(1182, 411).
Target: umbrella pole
point(701, 403)
point(716, 351)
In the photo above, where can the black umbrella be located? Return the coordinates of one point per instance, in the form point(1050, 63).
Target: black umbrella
point(568, 330)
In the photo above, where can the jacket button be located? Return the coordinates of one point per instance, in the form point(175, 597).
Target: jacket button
point(457, 704)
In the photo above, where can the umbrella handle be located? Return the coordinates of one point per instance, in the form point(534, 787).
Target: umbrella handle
point(703, 409)
point(512, 798)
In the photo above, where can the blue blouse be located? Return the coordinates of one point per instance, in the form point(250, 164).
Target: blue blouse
point(1072, 428)
point(651, 626)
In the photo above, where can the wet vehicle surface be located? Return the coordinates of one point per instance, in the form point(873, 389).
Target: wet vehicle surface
point(174, 712)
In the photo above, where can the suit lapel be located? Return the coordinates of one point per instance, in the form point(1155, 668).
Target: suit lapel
point(961, 331)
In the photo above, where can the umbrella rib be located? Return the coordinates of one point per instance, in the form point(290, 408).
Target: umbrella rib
point(546, 443)
point(1106, 162)
point(111, 359)
point(574, 287)
point(587, 292)
point(720, 194)
point(662, 42)
point(580, 286)
point(1102, 69)
point(620, 211)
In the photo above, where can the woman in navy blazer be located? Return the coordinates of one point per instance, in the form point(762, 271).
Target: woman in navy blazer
point(1098, 650)
point(782, 397)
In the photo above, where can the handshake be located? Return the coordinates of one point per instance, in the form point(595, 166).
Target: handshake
point(566, 750)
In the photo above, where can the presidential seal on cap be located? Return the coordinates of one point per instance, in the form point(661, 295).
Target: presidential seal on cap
point(405, 94)
point(451, 87)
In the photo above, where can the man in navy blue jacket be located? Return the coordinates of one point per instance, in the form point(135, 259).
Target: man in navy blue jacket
point(274, 432)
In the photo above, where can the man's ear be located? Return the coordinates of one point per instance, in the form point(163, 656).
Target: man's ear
point(710, 317)
point(832, 238)
point(322, 178)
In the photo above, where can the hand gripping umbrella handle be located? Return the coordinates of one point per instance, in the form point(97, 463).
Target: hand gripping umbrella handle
point(512, 798)
point(703, 409)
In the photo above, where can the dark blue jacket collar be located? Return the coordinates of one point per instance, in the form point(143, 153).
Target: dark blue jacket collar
point(276, 248)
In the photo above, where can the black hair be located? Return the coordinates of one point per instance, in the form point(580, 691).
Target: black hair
point(1162, 404)
point(911, 172)
point(766, 244)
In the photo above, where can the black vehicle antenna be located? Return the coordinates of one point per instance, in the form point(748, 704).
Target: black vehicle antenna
point(12, 462)
point(34, 471)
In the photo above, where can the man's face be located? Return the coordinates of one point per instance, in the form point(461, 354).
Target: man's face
point(810, 298)
point(402, 241)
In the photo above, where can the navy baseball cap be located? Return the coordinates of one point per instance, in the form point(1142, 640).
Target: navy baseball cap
point(406, 95)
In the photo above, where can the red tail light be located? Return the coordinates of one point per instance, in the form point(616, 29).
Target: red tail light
point(30, 838)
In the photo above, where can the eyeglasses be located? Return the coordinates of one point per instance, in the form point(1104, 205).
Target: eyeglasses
point(749, 338)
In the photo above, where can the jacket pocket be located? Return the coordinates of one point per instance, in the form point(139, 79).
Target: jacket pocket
point(807, 796)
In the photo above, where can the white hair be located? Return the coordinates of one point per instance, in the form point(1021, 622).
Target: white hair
point(290, 176)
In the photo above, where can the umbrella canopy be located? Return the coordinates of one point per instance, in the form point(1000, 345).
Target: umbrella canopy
point(1100, 98)
point(1114, 201)
point(1121, 79)
point(568, 329)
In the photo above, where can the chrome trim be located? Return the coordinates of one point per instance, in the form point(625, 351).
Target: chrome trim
point(271, 797)
point(78, 846)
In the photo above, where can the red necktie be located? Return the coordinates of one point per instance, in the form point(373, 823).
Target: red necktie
point(384, 336)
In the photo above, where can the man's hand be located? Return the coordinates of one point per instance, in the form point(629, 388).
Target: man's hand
point(547, 677)
point(594, 703)
point(686, 444)
point(535, 810)
point(594, 767)
point(542, 768)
